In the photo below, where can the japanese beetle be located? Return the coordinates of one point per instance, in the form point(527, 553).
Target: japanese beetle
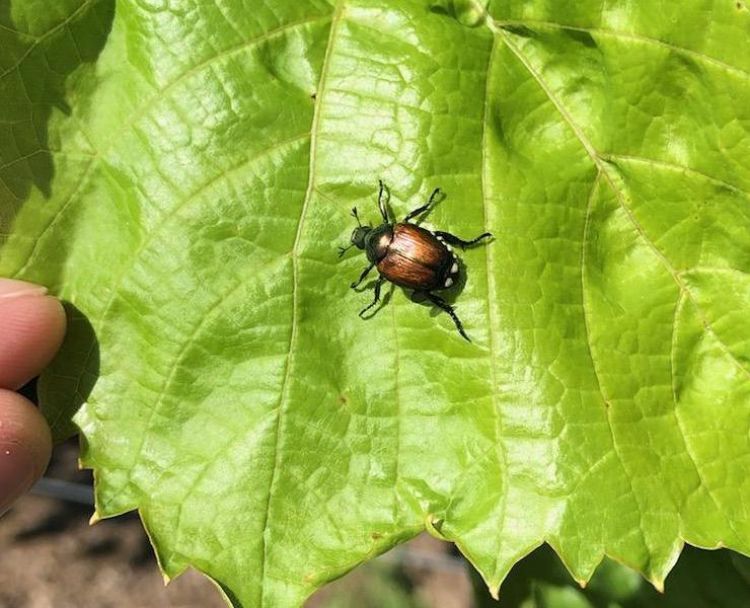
point(410, 256)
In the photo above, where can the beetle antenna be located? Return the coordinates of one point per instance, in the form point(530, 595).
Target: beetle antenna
point(356, 216)
point(343, 250)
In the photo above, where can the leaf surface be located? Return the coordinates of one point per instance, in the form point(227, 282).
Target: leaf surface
point(181, 173)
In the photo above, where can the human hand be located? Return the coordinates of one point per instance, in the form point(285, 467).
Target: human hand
point(32, 326)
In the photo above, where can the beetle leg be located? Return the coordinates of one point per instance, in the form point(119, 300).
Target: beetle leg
point(419, 210)
point(363, 276)
point(383, 200)
point(440, 303)
point(416, 212)
point(452, 239)
point(378, 285)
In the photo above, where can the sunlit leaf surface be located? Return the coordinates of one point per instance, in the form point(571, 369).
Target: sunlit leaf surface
point(182, 173)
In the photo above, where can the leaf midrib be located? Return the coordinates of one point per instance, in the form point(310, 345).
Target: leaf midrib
point(292, 351)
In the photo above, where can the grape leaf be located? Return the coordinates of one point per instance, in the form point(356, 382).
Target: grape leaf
point(181, 173)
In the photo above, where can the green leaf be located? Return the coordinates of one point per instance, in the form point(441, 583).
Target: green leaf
point(182, 172)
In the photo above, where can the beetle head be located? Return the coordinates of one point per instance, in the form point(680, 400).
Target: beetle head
point(360, 232)
point(358, 236)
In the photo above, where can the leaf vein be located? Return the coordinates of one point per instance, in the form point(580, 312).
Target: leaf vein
point(40, 39)
point(599, 161)
point(678, 420)
point(660, 164)
point(590, 350)
point(491, 286)
point(150, 236)
point(144, 108)
point(284, 389)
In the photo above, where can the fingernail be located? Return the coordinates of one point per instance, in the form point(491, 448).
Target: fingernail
point(12, 288)
point(16, 473)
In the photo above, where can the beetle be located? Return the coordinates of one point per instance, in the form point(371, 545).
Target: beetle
point(410, 256)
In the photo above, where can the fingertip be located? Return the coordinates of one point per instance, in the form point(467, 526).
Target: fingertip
point(32, 326)
point(25, 446)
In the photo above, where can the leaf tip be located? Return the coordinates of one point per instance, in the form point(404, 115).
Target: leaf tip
point(95, 518)
point(433, 525)
point(494, 591)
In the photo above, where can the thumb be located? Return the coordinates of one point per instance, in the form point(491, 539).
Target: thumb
point(25, 446)
point(32, 325)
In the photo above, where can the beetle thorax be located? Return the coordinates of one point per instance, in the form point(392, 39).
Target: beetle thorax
point(378, 241)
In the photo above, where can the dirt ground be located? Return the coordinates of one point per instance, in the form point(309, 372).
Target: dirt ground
point(51, 558)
